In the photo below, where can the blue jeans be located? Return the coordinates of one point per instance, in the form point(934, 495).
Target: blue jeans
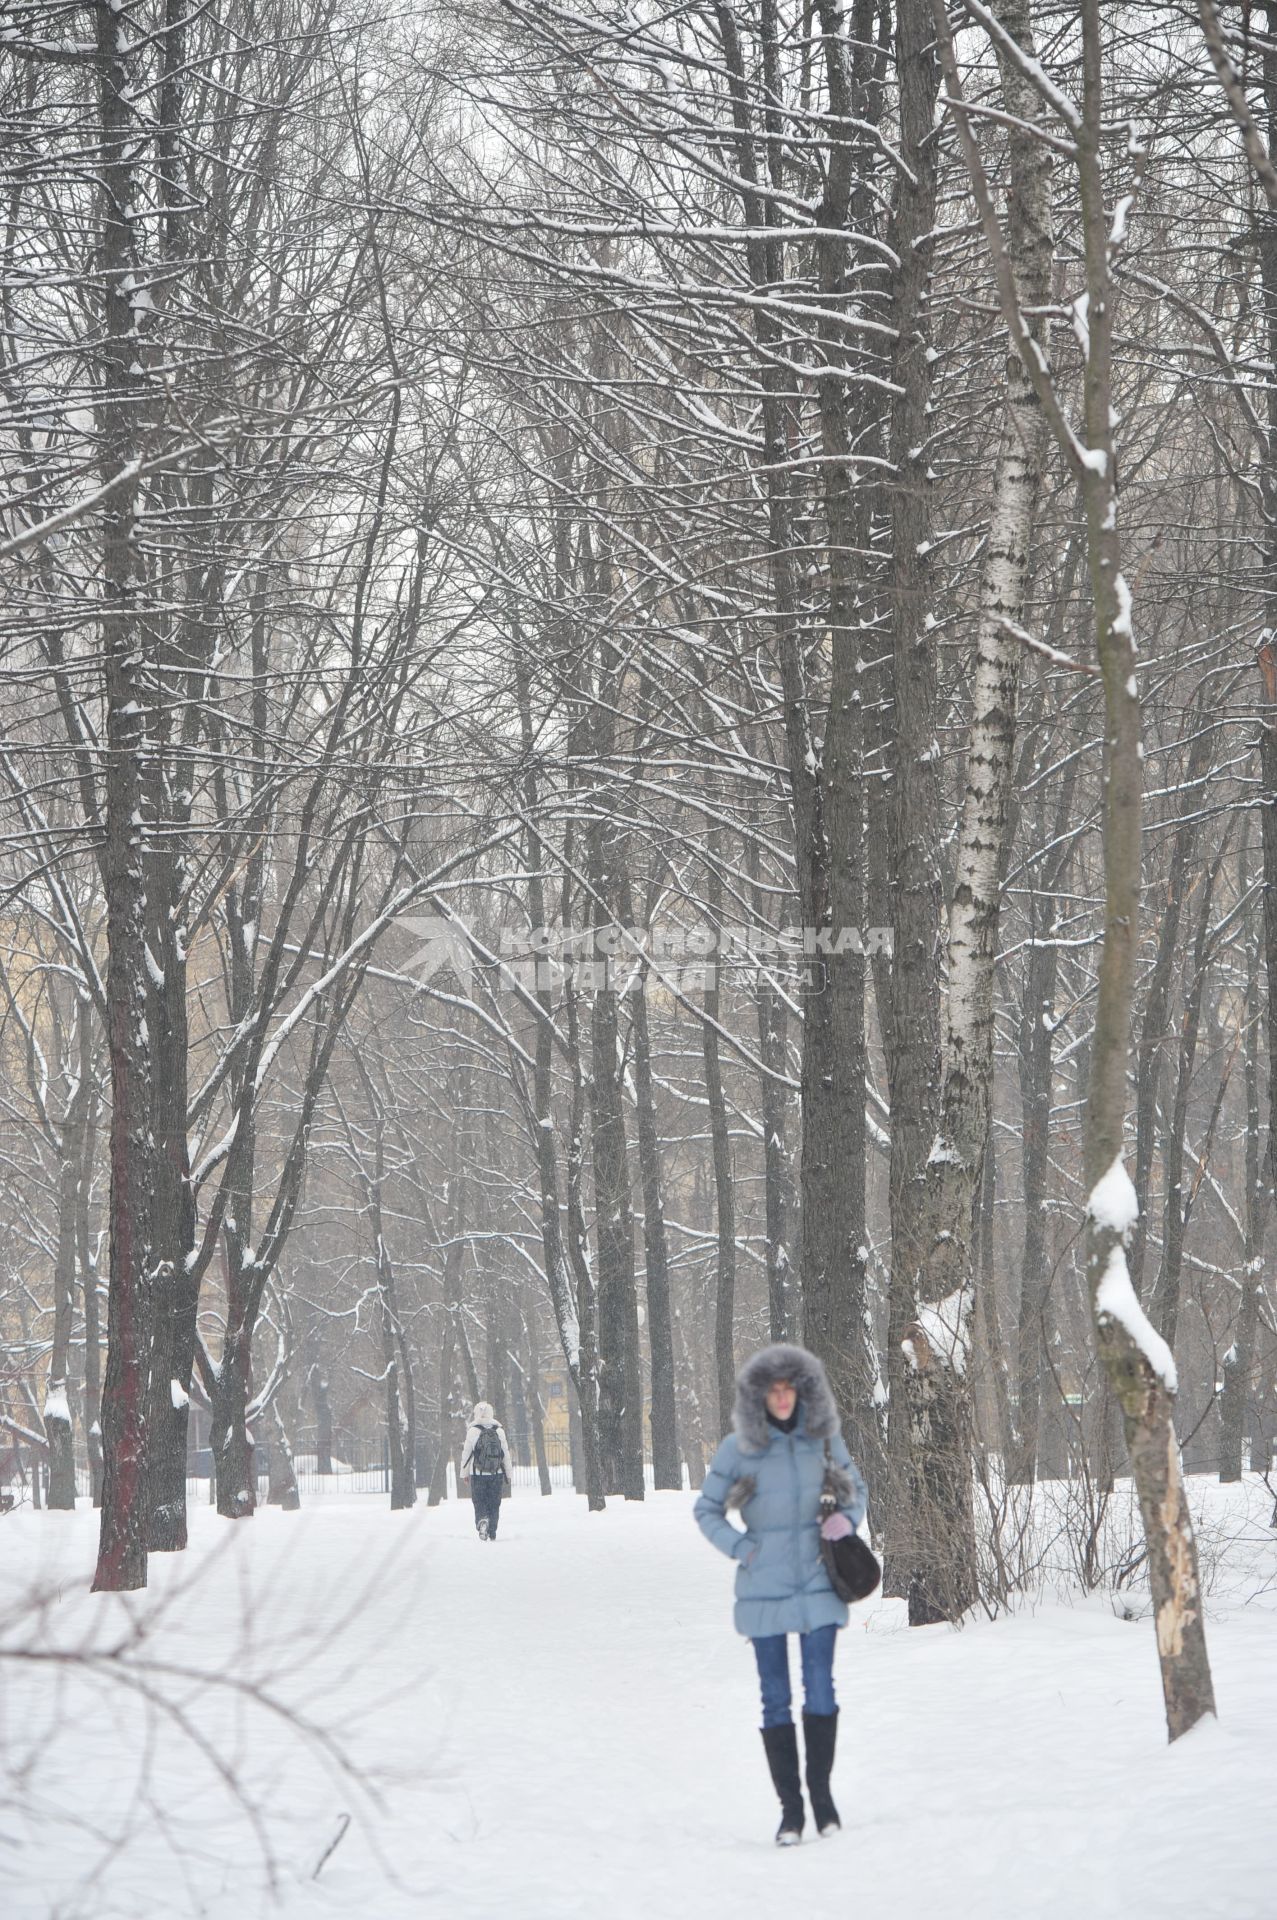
point(772, 1655)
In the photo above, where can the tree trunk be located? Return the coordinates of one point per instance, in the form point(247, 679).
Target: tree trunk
point(567, 1271)
point(937, 1381)
point(837, 1321)
point(1156, 1023)
point(403, 1482)
point(317, 1379)
point(230, 1441)
point(620, 1383)
point(536, 1408)
point(721, 1153)
point(1239, 1361)
point(660, 1338)
point(1137, 1363)
point(73, 1174)
point(281, 1488)
point(777, 1173)
point(1036, 1041)
point(832, 1315)
point(1135, 1359)
point(1163, 1308)
point(86, 1260)
point(438, 1489)
point(586, 1377)
point(932, 1420)
point(121, 410)
point(176, 1285)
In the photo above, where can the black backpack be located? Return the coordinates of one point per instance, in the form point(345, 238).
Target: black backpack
point(489, 1454)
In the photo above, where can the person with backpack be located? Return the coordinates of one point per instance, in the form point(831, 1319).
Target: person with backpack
point(785, 1452)
point(486, 1457)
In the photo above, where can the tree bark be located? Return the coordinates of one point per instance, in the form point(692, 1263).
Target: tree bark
point(536, 1407)
point(943, 1579)
point(567, 1272)
point(721, 1154)
point(121, 409)
point(1239, 1362)
point(1163, 1308)
point(1142, 1376)
point(915, 1430)
point(1135, 1360)
point(74, 1172)
point(837, 1318)
point(282, 1478)
point(663, 1414)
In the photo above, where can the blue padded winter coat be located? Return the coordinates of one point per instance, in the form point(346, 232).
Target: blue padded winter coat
point(775, 1481)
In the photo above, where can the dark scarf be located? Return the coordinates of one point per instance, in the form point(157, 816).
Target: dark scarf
point(784, 1426)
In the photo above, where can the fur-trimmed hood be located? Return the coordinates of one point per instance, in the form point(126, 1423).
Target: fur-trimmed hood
point(818, 1415)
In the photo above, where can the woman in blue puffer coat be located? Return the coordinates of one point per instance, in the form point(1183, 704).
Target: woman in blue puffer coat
point(771, 1469)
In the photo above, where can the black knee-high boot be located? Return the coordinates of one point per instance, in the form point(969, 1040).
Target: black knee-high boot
point(781, 1744)
point(820, 1733)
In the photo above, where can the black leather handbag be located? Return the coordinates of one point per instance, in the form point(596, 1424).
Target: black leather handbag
point(851, 1563)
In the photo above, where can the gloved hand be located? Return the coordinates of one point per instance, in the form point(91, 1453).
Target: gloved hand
point(837, 1527)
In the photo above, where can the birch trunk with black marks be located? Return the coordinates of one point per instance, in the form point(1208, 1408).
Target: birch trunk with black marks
point(1136, 1361)
point(937, 1382)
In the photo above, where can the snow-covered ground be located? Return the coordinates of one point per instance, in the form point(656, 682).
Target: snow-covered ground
point(562, 1726)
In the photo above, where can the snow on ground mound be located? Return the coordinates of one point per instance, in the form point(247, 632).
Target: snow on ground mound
point(562, 1724)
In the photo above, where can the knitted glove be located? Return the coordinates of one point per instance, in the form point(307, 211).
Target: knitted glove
point(837, 1527)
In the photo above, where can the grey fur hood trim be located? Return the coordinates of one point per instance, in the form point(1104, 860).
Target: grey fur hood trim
point(819, 1415)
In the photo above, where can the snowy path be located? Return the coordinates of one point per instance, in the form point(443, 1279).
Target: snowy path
point(564, 1726)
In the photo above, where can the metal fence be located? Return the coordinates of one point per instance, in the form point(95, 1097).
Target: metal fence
point(357, 1468)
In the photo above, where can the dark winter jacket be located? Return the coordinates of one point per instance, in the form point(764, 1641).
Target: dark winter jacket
point(774, 1480)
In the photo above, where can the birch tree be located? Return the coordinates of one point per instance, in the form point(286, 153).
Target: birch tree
point(1136, 1359)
